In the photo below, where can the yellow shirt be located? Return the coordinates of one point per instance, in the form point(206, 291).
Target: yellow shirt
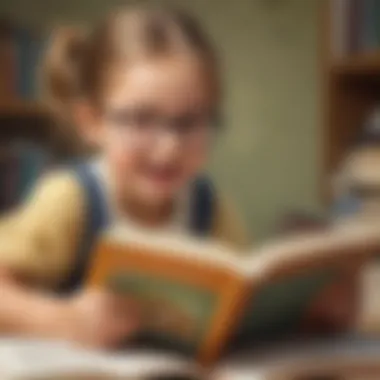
point(39, 240)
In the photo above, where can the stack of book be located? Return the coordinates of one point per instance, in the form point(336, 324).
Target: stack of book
point(355, 26)
point(20, 165)
point(20, 52)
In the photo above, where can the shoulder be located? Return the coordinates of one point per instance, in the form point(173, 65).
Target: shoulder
point(40, 236)
point(59, 187)
point(56, 200)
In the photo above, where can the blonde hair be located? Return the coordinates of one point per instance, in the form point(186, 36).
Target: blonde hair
point(78, 63)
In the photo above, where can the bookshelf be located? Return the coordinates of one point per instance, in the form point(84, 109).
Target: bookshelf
point(22, 108)
point(364, 64)
point(21, 48)
point(350, 41)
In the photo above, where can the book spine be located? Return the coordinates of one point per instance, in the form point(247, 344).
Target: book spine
point(355, 26)
point(22, 47)
point(368, 26)
point(339, 27)
point(6, 60)
point(226, 321)
point(37, 48)
point(12, 78)
point(376, 22)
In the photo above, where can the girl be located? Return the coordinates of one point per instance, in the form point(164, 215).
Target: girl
point(143, 88)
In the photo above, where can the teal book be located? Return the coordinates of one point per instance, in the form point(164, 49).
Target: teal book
point(32, 161)
point(376, 22)
point(369, 26)
point(200, 299)
point(29, 47)
point(22, 49)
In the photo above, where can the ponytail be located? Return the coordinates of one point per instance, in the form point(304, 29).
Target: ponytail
point(62, 69)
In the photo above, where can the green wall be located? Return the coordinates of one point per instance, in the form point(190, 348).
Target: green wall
point(268, 159)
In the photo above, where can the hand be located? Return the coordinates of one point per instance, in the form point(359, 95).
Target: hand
point(336, 308)
point(98, 319)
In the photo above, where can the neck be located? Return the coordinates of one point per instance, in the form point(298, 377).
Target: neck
point(131, 204)
point(147, 214)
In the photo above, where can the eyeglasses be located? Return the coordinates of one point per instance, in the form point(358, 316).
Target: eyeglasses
point(143, 126)
point(365, 191)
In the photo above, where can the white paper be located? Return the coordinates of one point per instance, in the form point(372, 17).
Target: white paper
point(26, 359)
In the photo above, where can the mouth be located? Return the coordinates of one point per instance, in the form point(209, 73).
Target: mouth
point(162, 174)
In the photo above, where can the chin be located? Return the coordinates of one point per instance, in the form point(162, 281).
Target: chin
point(156, 196)
point(157, 193)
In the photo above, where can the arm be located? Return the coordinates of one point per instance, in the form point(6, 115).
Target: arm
point(26, 312)
point(336, 308)
point(92, 318)
point(36, 245)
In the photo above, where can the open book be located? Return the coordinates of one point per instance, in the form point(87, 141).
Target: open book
point(203, 300)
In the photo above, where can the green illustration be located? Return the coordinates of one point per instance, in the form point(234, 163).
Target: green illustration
point(175, 314)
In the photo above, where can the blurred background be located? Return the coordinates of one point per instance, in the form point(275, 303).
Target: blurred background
point(301, 81)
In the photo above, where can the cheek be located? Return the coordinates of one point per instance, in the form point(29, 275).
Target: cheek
point(194, 162)
point(122, 158)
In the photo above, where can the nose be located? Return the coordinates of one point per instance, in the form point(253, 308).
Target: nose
point(168, 146)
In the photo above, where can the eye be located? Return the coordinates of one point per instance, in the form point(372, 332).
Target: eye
point(141, 118)
point(144, 118)
point(187, 122)
point(192, 121)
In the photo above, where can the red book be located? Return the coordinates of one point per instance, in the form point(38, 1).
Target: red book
point(7, 60)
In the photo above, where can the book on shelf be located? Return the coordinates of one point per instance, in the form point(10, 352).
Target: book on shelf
point(21, 164)
point(20, 54)
point(204, 301)
point(356, 183)
point(355, 26)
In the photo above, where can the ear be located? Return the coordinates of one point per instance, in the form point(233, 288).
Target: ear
point(88, 119)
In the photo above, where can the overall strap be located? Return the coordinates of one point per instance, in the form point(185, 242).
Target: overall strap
point(346, 206)
point(95, 220)
point(202, 207)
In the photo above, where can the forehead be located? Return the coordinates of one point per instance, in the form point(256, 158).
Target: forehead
point(167, 83)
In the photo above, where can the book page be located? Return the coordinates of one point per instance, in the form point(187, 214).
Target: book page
point(340, 243)
point(207, 252)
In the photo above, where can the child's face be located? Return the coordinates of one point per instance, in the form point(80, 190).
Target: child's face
point(157, 126)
